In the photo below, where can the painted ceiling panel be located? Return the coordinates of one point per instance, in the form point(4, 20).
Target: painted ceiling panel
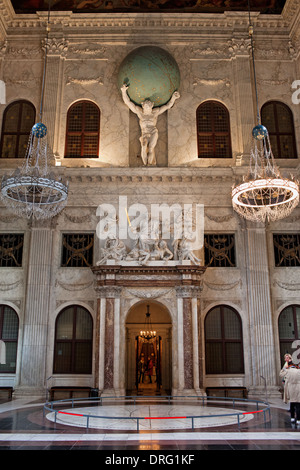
point(197, 6)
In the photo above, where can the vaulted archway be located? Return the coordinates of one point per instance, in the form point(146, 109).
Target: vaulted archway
point(149, 362)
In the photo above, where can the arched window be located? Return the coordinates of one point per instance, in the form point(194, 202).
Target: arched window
point(213, 130)
point(278, 119)
point(83, 130)
point(73, 341)
point(223, 341)
point(9, 329)
point(289, 329)
point(18, 120)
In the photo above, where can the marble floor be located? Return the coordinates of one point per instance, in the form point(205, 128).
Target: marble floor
point(24, 426)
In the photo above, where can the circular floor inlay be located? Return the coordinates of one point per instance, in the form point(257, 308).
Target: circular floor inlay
point(152, 417)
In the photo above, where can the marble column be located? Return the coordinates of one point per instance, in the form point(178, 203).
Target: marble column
point(263, 366)
point(35, 327)
point(108, 337)
point(188, 340)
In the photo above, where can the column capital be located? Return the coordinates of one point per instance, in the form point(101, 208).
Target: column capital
point(109, 292)
point(189, 291)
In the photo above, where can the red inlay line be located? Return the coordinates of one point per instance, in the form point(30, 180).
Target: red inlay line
point(167, 417)
point(71, 414)
point(162, 417)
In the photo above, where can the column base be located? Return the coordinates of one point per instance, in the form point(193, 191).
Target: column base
point(35, 393)
point(190, 392)
point(263, 393)
point(112, 392)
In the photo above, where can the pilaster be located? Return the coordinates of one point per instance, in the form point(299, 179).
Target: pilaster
point(35, 328)
point(188, 340)
point(263, 367)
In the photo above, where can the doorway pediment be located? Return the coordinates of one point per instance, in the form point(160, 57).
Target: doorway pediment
point(170, 275)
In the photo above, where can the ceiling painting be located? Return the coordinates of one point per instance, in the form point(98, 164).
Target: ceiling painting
point(136, 6)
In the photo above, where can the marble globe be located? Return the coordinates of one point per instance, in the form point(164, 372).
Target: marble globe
point(39, 130)
point(150, 73)
point(259, 132)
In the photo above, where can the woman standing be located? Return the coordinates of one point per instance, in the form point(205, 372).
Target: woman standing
point(290, 373)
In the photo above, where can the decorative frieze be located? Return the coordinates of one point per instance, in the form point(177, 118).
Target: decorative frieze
point(152, 275)
point(5, 286)
point(74, 287)
point(223, 286)
point(149, 293)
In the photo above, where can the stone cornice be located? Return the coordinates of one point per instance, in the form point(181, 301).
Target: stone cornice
point(184, 22)
point(178, 25)
point(154, 175)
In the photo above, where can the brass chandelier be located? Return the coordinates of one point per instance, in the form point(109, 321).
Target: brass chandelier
point(147, 333)
point(34, 191)
point(264, 195)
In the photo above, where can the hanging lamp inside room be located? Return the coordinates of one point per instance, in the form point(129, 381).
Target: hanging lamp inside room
point(264, 195)
point(147, 333)
point(34, 190)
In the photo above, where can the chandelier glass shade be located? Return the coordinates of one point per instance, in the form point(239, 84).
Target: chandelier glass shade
point(33, 191)
point(264, 195)
point(147, 333)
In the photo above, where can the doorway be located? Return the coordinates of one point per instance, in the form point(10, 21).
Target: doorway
point(149, 361)
point(148, 366)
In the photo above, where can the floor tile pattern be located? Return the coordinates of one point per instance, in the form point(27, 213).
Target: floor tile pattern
point(24, 426)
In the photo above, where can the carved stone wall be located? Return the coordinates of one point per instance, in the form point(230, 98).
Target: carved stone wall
point(182, 282)
point(215, 63)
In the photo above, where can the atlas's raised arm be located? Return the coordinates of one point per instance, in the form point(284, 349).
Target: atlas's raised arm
point(170, 103)
point(135, 109)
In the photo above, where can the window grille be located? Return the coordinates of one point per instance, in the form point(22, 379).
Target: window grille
point(77, 250)
point(287, 249)
point(11, 250)
point(219, 250)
